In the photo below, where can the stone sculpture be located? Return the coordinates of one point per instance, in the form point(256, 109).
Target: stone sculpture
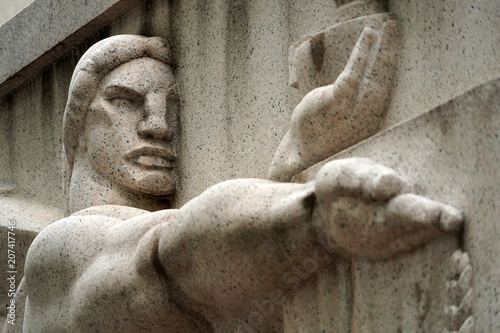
point(365, 37)
point(362, 93)
point(120, 126)
point(200, 268)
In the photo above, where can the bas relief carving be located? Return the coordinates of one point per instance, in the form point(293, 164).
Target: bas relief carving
point(333, 117)
point(115, 266)
point(459, 311)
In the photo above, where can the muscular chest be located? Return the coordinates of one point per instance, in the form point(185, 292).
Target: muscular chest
point(112, 291)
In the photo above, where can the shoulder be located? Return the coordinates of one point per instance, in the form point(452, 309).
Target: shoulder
point(92, 231)
point(114, 211)
point(70, 234)
point(71, 228)
point(62, 251)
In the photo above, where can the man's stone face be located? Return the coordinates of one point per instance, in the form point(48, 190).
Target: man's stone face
point(131, 127)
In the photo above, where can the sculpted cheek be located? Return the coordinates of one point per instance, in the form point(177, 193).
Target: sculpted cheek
point(102, 114)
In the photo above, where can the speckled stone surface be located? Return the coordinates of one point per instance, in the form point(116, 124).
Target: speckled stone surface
point(46, 30)
point(448, 47)
point(31, 131)
point(212, 265)
point(10, 8)
point(226, 119)
point(232, 71)
point(121, 268)
point(121, 127)
point(27, 218)
point(345, 74)
point(451, 153)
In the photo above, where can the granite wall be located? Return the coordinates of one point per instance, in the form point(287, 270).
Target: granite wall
point(232, 70)
point(9, 8)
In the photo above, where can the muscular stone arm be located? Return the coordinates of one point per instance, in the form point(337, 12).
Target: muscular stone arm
point(91, 271)
point(206, 263)
point(238, 239)
point(235, 241)
point(218, 252)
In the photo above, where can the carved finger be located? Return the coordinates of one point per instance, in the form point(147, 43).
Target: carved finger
point(343, 93)
point(384, 183)
point(339, 178)
point(389, 46)
point(381, 66)
point(414, 211)
point(451, 219)
point(362, 178)
point(376, 85)
point(361, 55)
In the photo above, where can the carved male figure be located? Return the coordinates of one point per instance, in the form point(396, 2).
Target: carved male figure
point(193, 269)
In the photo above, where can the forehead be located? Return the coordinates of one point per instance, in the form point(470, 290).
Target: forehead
point(141, 75)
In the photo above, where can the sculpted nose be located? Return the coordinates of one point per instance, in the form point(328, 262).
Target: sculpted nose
point(153, 126)
point(155, 123)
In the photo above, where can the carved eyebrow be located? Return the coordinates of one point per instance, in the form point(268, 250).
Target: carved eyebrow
point(116, 90)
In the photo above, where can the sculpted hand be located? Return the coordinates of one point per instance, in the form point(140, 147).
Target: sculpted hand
point(363, 211)
point(335, 117)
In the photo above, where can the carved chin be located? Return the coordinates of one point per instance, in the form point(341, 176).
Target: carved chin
point(155, 182)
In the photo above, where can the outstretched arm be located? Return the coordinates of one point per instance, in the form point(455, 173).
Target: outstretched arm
point(236, 240)
point(239, 241)
point(240, 238)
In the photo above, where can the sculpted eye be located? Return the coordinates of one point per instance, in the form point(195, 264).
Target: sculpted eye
point(122, 101)
point(121, 97)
